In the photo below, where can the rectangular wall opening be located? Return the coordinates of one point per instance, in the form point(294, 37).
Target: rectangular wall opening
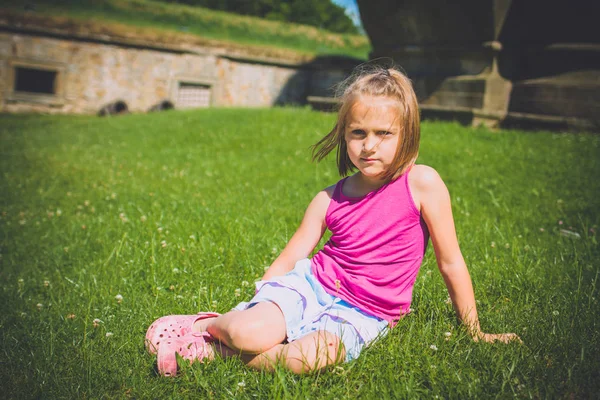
point(33, 80)
point(193, 95)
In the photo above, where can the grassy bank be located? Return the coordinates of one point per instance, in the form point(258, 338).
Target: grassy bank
point(158, 19)
point(181, 211)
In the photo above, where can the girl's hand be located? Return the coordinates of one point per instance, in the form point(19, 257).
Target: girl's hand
point(500, 337)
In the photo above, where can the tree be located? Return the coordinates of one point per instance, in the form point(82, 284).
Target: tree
point(320, 13)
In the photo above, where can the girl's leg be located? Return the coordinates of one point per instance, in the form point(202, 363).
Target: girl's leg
point(309, 353)
point(256, 335)
point(254, 330)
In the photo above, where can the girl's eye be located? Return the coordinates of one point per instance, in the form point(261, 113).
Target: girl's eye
point(358, 132)
point(385, 133)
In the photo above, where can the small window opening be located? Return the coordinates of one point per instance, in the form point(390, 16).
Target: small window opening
point(193, 95)
point(32, 80)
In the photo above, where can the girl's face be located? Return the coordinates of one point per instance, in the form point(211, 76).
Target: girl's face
point(372, 134)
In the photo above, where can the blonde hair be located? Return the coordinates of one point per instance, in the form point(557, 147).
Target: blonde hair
point(378, 81)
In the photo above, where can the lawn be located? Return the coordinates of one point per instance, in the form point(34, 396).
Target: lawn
point(107, 224)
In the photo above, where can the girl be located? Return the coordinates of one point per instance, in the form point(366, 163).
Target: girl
point(311, 313)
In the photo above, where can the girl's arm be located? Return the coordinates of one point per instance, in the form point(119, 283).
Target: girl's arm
point(436, 210)
point(306, 237)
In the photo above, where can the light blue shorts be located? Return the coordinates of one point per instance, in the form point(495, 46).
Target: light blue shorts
point(307, 308)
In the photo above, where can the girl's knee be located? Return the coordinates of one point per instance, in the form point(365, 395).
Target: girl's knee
point(251, 335)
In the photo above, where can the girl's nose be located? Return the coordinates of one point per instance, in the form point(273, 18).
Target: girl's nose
point(370, 143)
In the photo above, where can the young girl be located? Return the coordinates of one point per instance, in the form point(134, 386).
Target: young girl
point(311, 313)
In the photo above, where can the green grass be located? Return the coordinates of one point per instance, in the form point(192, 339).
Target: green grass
point(174, 211)
point(205, 23)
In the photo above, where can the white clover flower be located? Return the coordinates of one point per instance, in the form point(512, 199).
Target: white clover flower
point(175, 270)
point(245, 283)
point(241, 384)
point(58, 212)
point(555, 313)
point(143, 218)
point(86, 203)
point(433, 347)
point(448, 334)
point(96, 322)
point(108, 334)
point(46, 283)
point(119, 298)
point(237, 292)
point(39, 306)
point(163, 243)
point(493, 244)
point(507, 245)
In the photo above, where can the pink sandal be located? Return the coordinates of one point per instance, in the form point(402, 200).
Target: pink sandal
point(193, 346)
point(172, 327)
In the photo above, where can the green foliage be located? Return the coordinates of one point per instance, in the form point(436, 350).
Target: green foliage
point(323, 14)
point(205, 23)
point(175, 211)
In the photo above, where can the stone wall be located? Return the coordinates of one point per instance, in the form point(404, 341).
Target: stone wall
point(497, 62)
point(248, 83)
point(93, 73)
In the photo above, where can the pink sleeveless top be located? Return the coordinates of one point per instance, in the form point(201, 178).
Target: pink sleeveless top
point(375, 250)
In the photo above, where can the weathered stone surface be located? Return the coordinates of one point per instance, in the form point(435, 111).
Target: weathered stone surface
point(92, 74)
point(494, 58)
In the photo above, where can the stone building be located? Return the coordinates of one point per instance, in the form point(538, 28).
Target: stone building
point(523, 62)
point(61, 66)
